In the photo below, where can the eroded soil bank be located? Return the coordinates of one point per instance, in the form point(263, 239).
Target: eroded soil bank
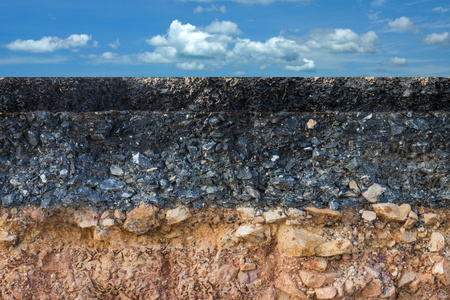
point(384, 251)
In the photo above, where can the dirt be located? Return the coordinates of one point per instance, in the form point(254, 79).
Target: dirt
point(59, 253)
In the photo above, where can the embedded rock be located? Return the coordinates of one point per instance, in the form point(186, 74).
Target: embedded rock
point(298, 242)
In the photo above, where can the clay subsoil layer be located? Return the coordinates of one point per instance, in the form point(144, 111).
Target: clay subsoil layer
point(383, 252)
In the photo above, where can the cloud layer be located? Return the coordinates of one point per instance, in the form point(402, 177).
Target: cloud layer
point(49, 44)
point(219, 44)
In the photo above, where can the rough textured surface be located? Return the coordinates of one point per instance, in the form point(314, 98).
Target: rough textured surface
point(224, 188)
point(225, 94)
point(120, 159)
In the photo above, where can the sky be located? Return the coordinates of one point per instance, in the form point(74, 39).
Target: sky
point(295, 38)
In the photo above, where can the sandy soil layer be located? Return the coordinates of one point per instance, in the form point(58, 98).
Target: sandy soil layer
point(384, 251)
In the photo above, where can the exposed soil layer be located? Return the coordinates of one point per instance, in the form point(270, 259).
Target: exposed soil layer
point(383, 252)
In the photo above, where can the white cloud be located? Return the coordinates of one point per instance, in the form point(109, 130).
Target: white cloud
point(199, 9)
point(402, 24)
point(190, 66)
point(115, 45)
point(342, 40)
point(224, 27)
point(216, 45)
point(437, 38)
point(395, 62)
point(49, 44)
point(440, 9)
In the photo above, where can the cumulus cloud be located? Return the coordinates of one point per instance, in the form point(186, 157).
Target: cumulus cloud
point(49, 44)
point(440, 9)
point(402, 24)
point(115, 45)
point(395, 62)
point(224, 27)
point(342, 40)
point(199, 9)
point(219, 44)
point(437, 38)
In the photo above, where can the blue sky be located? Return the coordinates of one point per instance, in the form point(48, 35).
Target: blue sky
point(224, 38)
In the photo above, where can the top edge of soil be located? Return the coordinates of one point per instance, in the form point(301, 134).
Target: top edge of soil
point(227, 94)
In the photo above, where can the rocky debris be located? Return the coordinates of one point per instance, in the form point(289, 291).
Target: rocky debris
point(239, 160)
point(142, 219)
point(298, 242)
point(274, 260)
point(392, 211)
point(177, 215)
point(373, 192)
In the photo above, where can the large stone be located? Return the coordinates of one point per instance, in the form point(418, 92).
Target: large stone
point(177, 215)
point(323, 215)
point(392, 211)
point(274, 215)
point(316, 279)
point(372, 289)
point(298, 242)
point(285, 283)
point(373, 192)
point(141, 219)
point(247, 213)
point(334, 248)
point(437, 242)
point(441, 270)
point(246, 231)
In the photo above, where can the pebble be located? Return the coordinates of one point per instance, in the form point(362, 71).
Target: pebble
point(311, 124)
point(274, 215)
point(406, 278)
point(326, 292)
point(368, 215)
point(430, 219)
point(285, 283)
point(324, 215)
point(316, 279)
point(334, 248)
point(116, 170)
point(177, 215)
point(246, 231)
point(373, 192)
point(437, 242)
point(392, 211)
point(141, 219)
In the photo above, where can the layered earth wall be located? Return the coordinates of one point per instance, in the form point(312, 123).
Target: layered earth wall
point(224, 188)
